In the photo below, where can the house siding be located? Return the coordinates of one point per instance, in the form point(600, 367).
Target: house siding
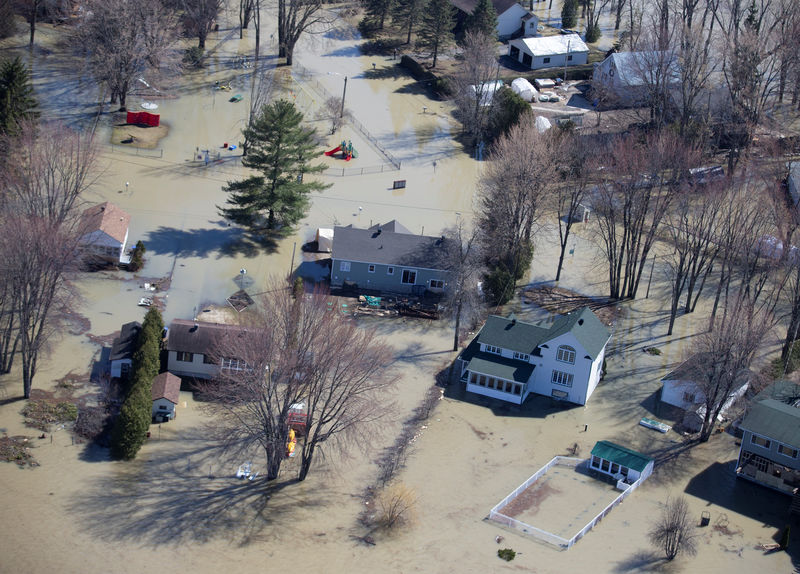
point(170, 407)
point(380, 279)
point(196, 368)
point(510, 21)
point(555, 60)
point(116, 367)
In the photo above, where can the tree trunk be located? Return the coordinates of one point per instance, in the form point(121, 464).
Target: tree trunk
point(201, 37)
point(33, 23)
point(305, 463)
point(458, 326)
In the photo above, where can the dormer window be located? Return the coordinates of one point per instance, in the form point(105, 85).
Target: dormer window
point(493, 349)
point(522, 356)
point(566, 354)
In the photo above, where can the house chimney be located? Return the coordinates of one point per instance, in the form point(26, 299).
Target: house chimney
point(514, 321)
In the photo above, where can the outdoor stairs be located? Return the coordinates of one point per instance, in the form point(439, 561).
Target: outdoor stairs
point(795, 507)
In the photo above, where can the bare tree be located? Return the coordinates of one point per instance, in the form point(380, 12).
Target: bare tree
point(570, 194)
point(43, 176)
point(298, 351)
point(333, 112)
point(246, 12)
point(631, 203)
point(693, 225)
point(295, 18)
point(511, 195)
point(475, 84)
point(674, 531)
point(200, 16)
point(729, 350)
point(464, 262)
point(32, 10)
point(123, 40)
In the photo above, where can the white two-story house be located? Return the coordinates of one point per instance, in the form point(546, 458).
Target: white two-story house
point(510, 359)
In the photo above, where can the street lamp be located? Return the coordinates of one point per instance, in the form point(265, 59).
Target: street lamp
point(566, 58)
point(344, 90)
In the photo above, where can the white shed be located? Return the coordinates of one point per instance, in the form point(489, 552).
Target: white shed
point(324, 239)
point(166, 393)
point(524, 89)
point(485, 92)
point(549, 51)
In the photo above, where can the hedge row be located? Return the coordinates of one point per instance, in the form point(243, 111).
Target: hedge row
point(130, 428)
point(440, 86)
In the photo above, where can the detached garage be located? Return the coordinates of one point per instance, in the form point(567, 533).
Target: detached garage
point(549, 52)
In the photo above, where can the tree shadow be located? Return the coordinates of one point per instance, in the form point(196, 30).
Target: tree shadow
point(171, 498)
point(202, 242)
point(646, 561)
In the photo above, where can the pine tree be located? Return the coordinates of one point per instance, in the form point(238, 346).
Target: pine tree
point(483, 19)
point(17, 102)
point(406, 14)
point(281, 149)
point(569, 14)
point(377, 10)
point(436, 32)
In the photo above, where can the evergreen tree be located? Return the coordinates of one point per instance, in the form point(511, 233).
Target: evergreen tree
point(569, 14)
point(7, 24)
point(130, 428)
point(377, 10)
point(436, 32)
point(17, 102)
point(483, 19)
point(281, 149)
point(406, 14)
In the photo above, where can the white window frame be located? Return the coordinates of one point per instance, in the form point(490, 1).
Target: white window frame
point(179, 356)
point(564, 353)
point(562, 378)
point(494, 350)
point(371, 268)
point(792, 451)
point(755, 438)
point(410, 272)
point(439, 283)
point(522, 356)
point(344, 266)
point(233, 365)
point(390, 270)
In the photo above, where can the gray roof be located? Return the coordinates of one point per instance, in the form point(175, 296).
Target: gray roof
point(695, 368)
point(502, 367)
point(787, 392)
point(775, 420)
point(198, 337)
point(389, 244)
point(510, 333)
point(124, 345)
point(640, 68)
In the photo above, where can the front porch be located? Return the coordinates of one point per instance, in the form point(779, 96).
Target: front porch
point(768, 473)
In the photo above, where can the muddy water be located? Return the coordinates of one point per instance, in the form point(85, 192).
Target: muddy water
point(178, 503)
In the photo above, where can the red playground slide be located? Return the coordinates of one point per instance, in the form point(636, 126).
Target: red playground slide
point(334, 150)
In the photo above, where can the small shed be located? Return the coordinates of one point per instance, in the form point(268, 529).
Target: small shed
point(524, 89)
point(324, 239)
point(484, 92)
point(166, 393)
point(619, 462)
point(542, 124)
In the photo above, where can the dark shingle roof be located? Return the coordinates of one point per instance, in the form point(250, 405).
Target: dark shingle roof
point(509, 333)
point(125, 344)
point(469, 6)
point(776, 420)
point(621, 455)
point(390, 244)
point(502, 367)
point(198, 337)
point(787, 392)
point(167, 386)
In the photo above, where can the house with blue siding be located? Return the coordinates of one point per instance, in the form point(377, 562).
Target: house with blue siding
point(509, 359)
point(388, 258)
point(770, 451)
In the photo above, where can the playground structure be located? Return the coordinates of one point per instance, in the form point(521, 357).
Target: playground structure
point(347, 149)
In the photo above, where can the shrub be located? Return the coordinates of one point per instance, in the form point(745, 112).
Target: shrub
point(94, 423)
point(506, 554)
point(396, 505)
point(443, 88)
point(193, 57)
point(592, 33)
point(137, 257)
point(507, 112)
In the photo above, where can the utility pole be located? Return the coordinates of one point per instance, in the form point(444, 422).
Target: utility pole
point(344, 92)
